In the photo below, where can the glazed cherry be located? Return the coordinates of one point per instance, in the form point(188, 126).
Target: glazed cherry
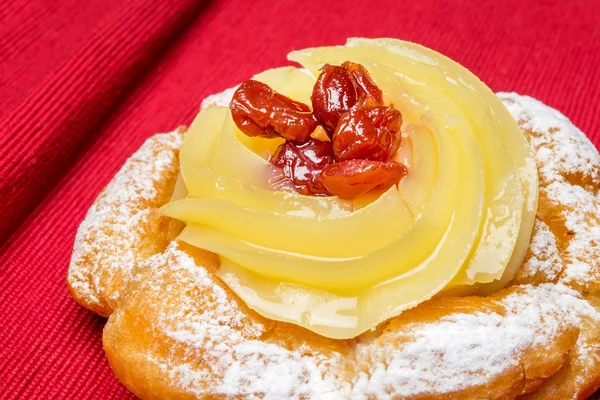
point(334, 94)
point(353, 178)
point(364, 83)
point(302, 164)
point(338, 89)
point(342, 148)
point(369, 133)
point(258, 110)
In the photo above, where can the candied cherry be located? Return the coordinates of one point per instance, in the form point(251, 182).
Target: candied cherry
point(334, 94)
point(365, 85)
point(302, 163)
point(258, 110)
point(369, 133)
point(353, 178)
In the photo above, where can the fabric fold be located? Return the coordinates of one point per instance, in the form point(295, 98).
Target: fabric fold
point(41, 136)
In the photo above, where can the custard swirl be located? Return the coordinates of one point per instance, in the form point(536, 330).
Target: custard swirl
point(460, 219)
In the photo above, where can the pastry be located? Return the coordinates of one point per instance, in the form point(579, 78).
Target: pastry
point(194, 254)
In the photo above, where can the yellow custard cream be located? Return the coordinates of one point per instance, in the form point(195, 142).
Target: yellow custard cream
point(460, 221)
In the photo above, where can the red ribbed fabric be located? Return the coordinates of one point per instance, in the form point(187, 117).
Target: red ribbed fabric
point(83, 83)
point(44, 131)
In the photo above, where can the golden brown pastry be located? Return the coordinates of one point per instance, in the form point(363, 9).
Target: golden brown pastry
point(198, 340)
point(579, 378)
point(177, 331)
point(124, 226)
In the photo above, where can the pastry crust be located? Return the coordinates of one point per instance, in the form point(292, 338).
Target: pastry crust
point(199, 340)
point(580, 376)
point(124, 226)
point(568, 216)
point(178, 332)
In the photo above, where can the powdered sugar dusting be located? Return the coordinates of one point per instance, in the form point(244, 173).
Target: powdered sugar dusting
point(230, 348)
point(464, 350)
point(107, 244)
point(561, 148)
point(543, 261)
point(581, 214)
point(227, 341)
point(220, 99)
point(569, 167)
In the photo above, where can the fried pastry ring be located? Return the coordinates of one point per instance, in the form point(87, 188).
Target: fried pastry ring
point(176, 331)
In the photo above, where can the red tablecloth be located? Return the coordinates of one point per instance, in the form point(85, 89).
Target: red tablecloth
point(83, 83)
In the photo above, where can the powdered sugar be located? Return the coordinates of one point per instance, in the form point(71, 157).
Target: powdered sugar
point(228, 343)
point(107, 244)
point(561, 149)
point(220, 99)
point(229, 349)
point(569, 167)
point(581, 215)
point(543, 261)
point(466, 350)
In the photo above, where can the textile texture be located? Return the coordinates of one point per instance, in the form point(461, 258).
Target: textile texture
point(84, 83)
